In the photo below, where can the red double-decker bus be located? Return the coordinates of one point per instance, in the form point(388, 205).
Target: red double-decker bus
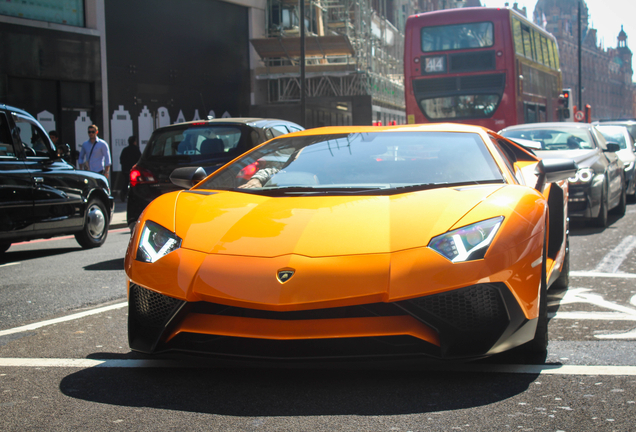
point(484, 66)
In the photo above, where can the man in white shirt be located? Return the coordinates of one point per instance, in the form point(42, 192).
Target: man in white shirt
point(95, 155)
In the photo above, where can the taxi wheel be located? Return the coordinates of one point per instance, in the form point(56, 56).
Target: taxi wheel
point(95, 225)
point(4, 247)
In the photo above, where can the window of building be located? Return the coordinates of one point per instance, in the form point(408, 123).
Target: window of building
point(68, 12)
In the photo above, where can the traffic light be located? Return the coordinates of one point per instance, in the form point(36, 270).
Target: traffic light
point(565, 98)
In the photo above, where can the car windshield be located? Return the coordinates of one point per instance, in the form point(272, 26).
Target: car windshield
point(554, 138)
point(614, 134)
point(357, 162)
point(194, 143)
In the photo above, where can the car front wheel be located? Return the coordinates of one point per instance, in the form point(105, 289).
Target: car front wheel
point(95, 225)
point(601, 219)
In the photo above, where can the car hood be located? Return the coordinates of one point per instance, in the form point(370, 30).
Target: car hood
point(581, 157)
point(244, 224)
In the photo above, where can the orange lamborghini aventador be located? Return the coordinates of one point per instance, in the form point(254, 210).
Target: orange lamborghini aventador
point(432, 240)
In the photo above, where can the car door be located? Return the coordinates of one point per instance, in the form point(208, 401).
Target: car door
point(56, 187)
point(615, 170)
point(16, 194)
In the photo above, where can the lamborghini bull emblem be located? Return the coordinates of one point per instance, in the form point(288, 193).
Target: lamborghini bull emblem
point(284, 275)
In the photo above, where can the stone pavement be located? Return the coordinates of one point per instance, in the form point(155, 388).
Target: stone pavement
point(119, 217)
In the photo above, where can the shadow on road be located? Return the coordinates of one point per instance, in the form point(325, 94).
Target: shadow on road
point(15, 256)
point(114, 264)
point(295, 392)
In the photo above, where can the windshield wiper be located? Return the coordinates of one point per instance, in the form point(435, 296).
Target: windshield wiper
point(313, 190)
point(425, 186)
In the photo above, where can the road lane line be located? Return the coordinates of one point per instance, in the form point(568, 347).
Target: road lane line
point(9, 264)
point(613, 260)
point(601, 274)
point(37, 325)
point(549, 369)
point(592, 315)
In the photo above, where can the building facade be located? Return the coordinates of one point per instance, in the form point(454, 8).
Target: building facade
point(130, 67)
point(606, 73)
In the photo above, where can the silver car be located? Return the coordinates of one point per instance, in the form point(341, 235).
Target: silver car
point(620, 135)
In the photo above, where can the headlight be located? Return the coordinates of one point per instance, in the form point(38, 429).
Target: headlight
point(583, 175)
point(468, 243)
point(629, 166)
point(156, 242)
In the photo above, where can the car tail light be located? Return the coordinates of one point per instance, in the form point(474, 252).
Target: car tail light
point(247, 172)
point(141, 176)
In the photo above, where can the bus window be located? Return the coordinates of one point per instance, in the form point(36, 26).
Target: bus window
point(542, 114)
point(460, 106)
point(458, 36)
point(530, 113)
point(527, 41)
point(555, 54)
point(544, 48)
point(537, 46)
point(516, 34)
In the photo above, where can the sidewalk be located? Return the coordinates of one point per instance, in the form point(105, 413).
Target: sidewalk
point(119, 217)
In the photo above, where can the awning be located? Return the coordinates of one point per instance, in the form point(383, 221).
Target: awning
point(315, 46)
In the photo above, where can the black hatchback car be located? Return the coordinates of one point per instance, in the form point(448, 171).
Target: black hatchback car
point(206, 143)
point(41, 195)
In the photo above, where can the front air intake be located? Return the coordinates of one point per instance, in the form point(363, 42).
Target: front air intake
point(149, 313)
point(152, 309)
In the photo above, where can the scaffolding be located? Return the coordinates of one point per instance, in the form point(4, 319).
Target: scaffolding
point(352, 49)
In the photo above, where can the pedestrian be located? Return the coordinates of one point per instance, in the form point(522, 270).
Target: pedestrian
point(128, 158)
point(95, 155)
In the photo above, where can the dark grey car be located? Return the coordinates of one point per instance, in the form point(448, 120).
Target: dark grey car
point(41, 195)
point(599, 185)
point(206, 143)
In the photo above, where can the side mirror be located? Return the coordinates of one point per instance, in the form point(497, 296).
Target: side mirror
point(63, 150)
point(613, 147)
point(554, 170)
point(188, 176)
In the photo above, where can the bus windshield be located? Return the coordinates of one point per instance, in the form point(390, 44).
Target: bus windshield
point(458, 36)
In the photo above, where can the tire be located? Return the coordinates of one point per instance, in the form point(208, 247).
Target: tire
point(601, 220)
point(564, 278)
point(4, 247)
point(622, 205)
point(95, 228)
point(537, 348)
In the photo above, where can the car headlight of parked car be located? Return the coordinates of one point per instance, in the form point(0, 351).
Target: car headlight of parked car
point(583, 175)
point(468, 243)
point(155, 242)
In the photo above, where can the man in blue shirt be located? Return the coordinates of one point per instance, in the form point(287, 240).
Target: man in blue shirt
point(95, 155)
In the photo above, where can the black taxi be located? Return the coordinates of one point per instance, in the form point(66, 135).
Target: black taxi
point(42, 195)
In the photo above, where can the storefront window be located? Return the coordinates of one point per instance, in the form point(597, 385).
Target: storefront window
point(68, 12)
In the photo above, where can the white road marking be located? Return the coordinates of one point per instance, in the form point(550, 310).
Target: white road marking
point(613, 260)
point(603, 275)
point(72, 317)
point(597, 316)
point(550, 369)
point(584, 295)
point(9, 264)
